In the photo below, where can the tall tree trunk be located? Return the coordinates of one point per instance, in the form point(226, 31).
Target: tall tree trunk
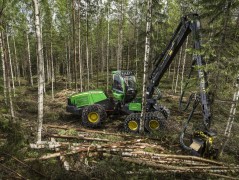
point(48, 73)
point(52, 73)
point(102, 55)
point(174, 72)
point(9, 88)
point(79, 44)
point(146, 60)
point(87, 47)
point(40, 70)
point(10, 64)
point(17, 63)
point(69, 75)
point(29, 59)
point(67, 65)
point(108, 46)
point(120, 37)
point(231, 119)
point(91, 63)
point(74, 43)
point(3, 68)
point(136, 41)
point(184, 61)
point(128, 60)
point(178, 69)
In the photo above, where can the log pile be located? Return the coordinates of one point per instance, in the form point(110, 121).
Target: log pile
point(135, 149)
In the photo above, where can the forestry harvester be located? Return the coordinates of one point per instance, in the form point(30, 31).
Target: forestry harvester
point(94, 106)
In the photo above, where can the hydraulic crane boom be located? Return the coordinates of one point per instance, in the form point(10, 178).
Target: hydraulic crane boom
point(188, 24)
point(201, 139)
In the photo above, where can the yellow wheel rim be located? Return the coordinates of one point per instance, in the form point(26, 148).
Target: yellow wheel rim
point(153, 124)
point(93, 117)
point(133, 125)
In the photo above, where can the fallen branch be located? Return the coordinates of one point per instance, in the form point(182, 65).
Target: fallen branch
point(24, 164)
point(222, 176)
point(99, 132)
point(12, 171)
point(180, 169)
point(77, 137)
point(192, 158)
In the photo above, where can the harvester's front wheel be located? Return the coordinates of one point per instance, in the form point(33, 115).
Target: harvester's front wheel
point(155, 121)
point(132, 123)
point(93, 116)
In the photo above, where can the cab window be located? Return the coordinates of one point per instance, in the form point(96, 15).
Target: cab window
point(117, 83)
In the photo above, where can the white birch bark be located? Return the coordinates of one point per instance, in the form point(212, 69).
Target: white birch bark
point(52, 73)
point(178, 70)
point(146, 60)
point(40, 70)
point(10, 64)
point(174, 72)
point(9, 90)
point(29, 59)
point(17, 63)
point(231, 118)
point(3, 68)
point(184, 61)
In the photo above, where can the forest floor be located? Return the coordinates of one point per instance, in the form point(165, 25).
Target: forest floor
point(80, 153)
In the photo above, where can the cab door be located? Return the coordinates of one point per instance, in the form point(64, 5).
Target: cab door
point(118, 87)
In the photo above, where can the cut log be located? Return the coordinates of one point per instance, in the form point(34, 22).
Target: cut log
point(77, 137)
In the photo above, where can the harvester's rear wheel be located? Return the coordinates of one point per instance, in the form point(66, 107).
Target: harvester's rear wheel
point(155, 121)
point(132, 123)
point(93, 116)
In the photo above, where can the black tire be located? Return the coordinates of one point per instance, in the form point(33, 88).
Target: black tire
point(132, 123)
point(155, 121)
point(93, 116)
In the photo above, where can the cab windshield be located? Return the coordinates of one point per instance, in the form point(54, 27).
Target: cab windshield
point(130, 82)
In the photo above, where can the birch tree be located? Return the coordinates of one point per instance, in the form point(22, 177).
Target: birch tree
point(29, 59)
point(10, 64)
point(3, 68)
point(17, 62)
point(178, 69)
point(40, 69)
point(230, 121)
point(183, 68)
point(146, 60)
point(9, 88)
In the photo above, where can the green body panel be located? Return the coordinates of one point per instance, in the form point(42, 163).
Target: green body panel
point(135, 106)
point(118, 95)
point(87, 98)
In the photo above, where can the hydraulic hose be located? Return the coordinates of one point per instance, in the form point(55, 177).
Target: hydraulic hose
point(196, 102)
